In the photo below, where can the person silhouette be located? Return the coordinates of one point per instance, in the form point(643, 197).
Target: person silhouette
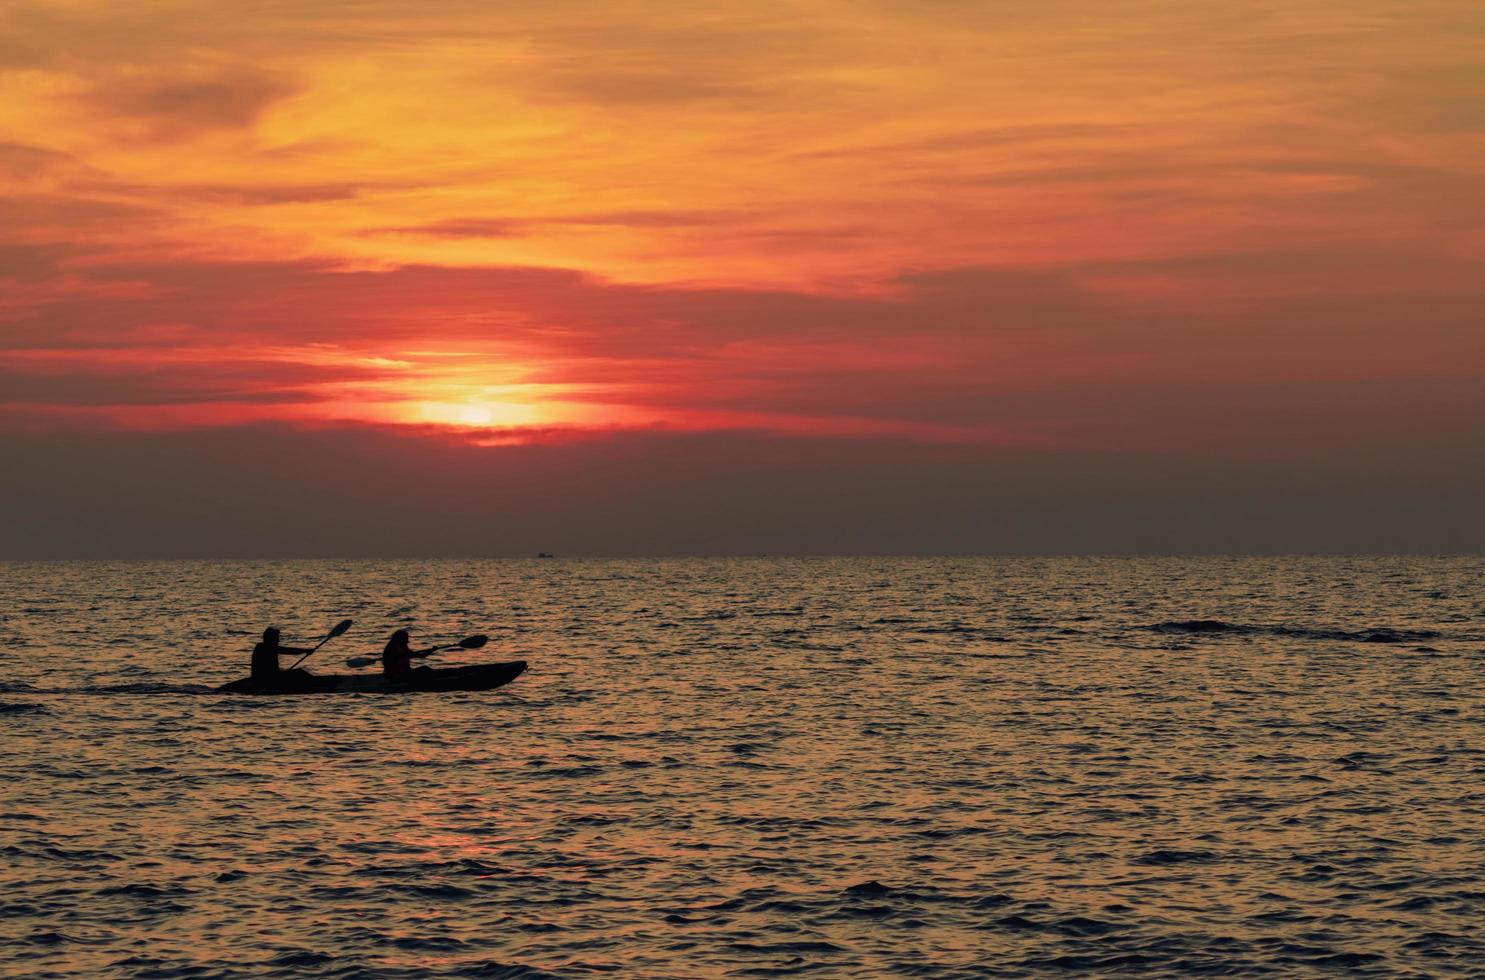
point(397, 657)
point(265, 658)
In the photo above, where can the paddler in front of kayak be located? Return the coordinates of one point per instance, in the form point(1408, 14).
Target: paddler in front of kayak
point(398, 655)
point(265, 660)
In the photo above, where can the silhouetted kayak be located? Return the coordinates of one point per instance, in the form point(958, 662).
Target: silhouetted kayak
point(480, 677)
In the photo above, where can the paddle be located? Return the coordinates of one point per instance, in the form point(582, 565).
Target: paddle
point(335, 631)
point(468, 643)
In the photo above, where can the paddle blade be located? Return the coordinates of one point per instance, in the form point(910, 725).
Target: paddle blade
point(474, 642)
point(339, 628)
point(360, 661)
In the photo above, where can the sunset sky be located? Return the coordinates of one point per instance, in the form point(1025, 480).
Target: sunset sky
point(1117, 247)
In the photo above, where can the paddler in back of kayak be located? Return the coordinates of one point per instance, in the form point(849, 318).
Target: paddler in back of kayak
point(398, 656)
point(265, 660)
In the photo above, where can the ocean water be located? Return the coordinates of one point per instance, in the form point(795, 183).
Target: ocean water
point(854, 767)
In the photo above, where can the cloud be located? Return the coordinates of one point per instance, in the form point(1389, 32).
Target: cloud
point(84, 220)
point(23, 162)
point(171, 107)
point(457, 228)
point(31, 263)
point(982, 356)
point(647, 219)
point(268, 194)
point(166, 375)
point(645, 86)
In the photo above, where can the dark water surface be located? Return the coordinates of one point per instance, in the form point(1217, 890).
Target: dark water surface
point(935, 768)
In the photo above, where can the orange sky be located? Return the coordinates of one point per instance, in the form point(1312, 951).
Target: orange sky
point(1255, 227)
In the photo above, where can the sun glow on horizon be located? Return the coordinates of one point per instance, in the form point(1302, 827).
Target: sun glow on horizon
point(464, 390)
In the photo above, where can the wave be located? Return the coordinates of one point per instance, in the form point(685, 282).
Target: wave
point(1377, 634)
point(143, 687)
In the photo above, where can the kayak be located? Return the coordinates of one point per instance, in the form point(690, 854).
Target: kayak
point(479, 677)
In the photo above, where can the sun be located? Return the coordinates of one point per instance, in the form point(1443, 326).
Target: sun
point(477, 414)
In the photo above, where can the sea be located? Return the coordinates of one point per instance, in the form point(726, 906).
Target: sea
point(853, 767)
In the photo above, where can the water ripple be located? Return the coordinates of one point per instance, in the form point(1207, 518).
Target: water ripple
point(933, 768)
